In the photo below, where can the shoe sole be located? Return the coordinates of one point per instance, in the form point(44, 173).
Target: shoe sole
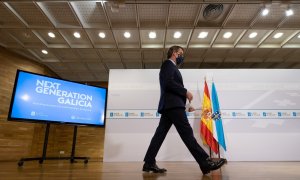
point(149, 171)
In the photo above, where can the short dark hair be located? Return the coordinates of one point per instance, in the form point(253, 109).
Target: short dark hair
point(172, 49)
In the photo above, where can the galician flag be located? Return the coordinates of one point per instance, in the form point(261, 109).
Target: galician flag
point(219, 133)
point(206, 123)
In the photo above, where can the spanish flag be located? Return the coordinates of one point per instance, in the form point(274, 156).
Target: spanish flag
point(206, 123)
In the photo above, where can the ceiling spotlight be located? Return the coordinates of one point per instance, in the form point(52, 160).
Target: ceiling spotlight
point(278, 35)
point(101, 35)
point(51, 34)
point(152, 35)
point(177, 35)
point(265, 11)
point(77, 34)
point(289, 12)
point(299, 36)
point(253, 35)
point(227, 35)
point(127, 35)
point(202, 35)
point(44, 51)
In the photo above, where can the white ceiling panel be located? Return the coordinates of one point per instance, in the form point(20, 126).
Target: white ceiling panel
point(153, 55)
point(101, 76)
point(182, 41)
point(66, 55)
point(133, 65)
point(31, 14)
point(237, 55)
point(275, 16)
point(183, 15)
point(60, 14)
point(123, 16)
point(228, 42)
point(96, 67)
point(68, 75)
point(152, 65)
point(194, 55)
point(26, 38)
point(132, 42)
point(153, 15)
point(246, 41)
point(77, 67)
point(114, 65)
point(197, 42)
point(88, 55)
point(82, 42)
point(294, 56)
point(57, 42)
point(86, 76)
point(49, 57)
point(278, 55)
point(278, 41)
point(90, 13)
point(57, 66)
point(293, 21)
point(293, 42)
point(242, 15)
point(191, 65)
point(110, 55)
point(148, 42)
point(6, 40)
point(216, 53)
point(107, 42)
point(8, 19)
point(131, 55)
point(25, 53)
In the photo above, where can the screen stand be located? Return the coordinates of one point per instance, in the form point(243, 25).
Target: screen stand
point(41, 159)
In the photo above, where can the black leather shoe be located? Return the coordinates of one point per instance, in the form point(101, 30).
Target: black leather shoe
point(154, 168)
point(212, 165)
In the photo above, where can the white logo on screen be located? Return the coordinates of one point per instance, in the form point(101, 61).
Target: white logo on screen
point(33, 113)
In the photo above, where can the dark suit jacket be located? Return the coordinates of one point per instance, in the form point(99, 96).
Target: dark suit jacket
point(172, 91)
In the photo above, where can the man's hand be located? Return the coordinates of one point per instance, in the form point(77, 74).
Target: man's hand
point(189, 96)
point(191, 109)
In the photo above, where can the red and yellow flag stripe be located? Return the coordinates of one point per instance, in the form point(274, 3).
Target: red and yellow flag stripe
point(206, 123)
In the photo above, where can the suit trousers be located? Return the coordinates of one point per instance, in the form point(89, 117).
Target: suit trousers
point(176, 116)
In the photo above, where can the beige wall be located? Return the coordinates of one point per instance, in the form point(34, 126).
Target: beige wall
point(19, 139)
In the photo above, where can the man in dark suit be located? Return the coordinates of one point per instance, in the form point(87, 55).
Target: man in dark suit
point(171, 106)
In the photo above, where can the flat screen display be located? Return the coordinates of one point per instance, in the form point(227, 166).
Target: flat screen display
point(39, 98)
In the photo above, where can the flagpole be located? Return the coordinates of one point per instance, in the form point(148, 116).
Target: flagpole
point(219, 151)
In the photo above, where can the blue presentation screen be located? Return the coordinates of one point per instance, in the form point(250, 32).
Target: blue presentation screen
point(41, 98)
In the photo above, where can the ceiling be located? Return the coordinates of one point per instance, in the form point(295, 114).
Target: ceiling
point(24, 28)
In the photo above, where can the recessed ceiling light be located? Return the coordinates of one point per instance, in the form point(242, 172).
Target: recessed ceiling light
point(252, 35)
point(227, 35)
point(127, 34)
point(265, 11)
point(152, 35)
point(278, 35)
point(299, 36)
point(101, 35)
point(177, 35)
point(44, 51)
point(77, 34)
point(202, 35)
point(51, 34)
point(289, 12)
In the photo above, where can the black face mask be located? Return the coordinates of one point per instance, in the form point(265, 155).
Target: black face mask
point(179, 59)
